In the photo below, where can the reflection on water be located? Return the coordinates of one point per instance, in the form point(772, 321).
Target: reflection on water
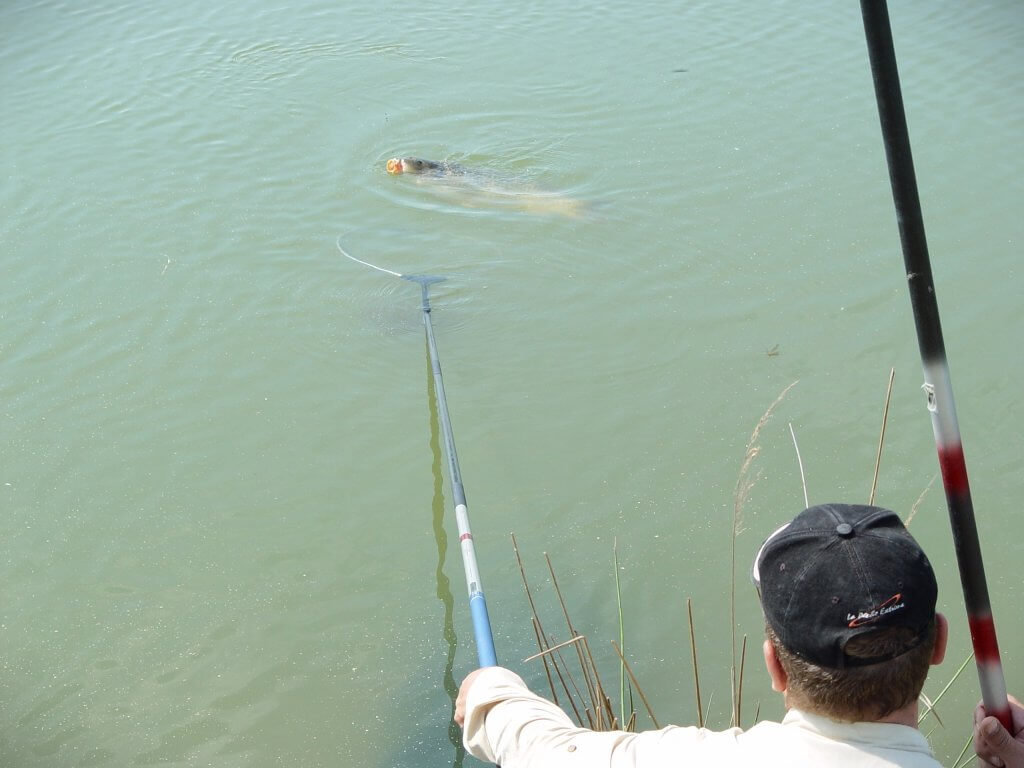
point(444, 592)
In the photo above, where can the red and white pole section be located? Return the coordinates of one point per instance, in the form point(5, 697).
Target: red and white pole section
point(933, 357)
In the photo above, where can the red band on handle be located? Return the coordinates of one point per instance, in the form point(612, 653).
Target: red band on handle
point(983, 637)
point(986, 652)
point(954, 469)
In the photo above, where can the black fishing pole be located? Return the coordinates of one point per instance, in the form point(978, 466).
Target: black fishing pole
point(937, 384)
point(477, 604)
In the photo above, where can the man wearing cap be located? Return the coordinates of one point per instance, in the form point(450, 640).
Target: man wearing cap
point(851, 629)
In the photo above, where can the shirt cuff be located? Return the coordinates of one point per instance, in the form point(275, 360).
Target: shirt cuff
point(494, 686)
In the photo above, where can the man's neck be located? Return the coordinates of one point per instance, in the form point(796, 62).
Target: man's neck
point(905, 716)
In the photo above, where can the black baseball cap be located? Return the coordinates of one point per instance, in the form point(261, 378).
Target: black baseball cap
point(842, 570)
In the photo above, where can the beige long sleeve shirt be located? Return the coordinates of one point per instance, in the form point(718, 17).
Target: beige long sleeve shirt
point(509, 725)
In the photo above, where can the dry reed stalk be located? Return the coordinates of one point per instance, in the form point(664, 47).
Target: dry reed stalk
point(538, 630)
point(602, 697)
point(744, 484)
point(967, 745)
point(931, 704)
point(800, 463)
point(930, 707)
point(542, 644)
point(585, 719)
point(913, 509)
point(739, 685)
point(555, 660)
point(588, 684)
point(639, 690)
point(613, 723)
point(881, 437)
point(529, 595)
point(602, 704)
point(553, 648)
point(693, 657)
point(622, 639)
point(591, 691)
point(547, 668)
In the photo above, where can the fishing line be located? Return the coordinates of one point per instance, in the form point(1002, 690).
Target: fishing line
point(348, 255)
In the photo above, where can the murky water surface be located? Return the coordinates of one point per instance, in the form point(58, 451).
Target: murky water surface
point(227, 533)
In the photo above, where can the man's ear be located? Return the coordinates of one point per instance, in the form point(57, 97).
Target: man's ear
point(941, 636)
point(775, 670)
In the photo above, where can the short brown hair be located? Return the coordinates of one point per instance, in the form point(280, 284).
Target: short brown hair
point(859, 693)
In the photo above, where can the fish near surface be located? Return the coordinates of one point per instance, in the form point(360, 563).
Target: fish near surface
point(474, 188)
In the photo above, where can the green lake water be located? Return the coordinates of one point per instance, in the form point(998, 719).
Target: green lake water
point(226, 527)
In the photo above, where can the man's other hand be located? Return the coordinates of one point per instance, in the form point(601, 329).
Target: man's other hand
point(993, 744)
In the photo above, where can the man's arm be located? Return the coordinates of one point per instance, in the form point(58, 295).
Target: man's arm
point(504, 722)
point(527, 720)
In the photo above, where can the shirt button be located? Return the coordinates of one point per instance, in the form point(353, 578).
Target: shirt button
point(572, 747)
